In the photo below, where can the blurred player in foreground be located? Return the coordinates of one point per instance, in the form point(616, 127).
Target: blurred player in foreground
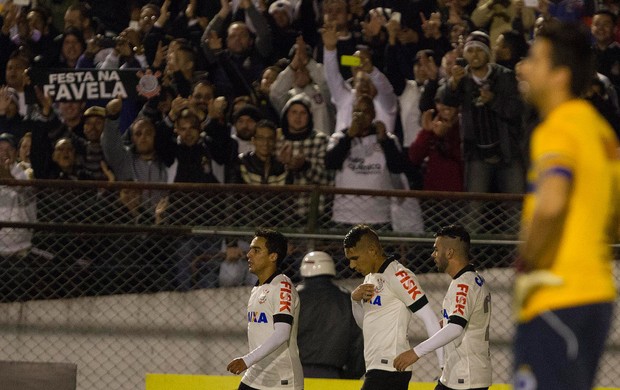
point(565, 290)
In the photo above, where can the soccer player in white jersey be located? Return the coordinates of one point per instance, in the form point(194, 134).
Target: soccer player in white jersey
point(382, 307)
point(466, 316)
point(273, 316)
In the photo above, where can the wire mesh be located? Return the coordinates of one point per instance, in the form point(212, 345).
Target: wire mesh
point(122, 285)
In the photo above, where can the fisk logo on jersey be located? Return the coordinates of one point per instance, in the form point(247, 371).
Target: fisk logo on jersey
point(285, 296)
point(461, 299)
point(409, 284)
point(259, 317)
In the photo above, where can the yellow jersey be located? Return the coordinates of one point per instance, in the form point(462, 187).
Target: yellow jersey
point(575, 141)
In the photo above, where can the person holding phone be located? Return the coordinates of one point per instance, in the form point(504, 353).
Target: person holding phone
point(367, 80)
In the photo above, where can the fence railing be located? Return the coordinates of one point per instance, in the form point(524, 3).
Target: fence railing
point(179, 250)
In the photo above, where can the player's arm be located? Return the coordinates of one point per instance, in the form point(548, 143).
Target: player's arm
point(408, 290)
point(427, 315)
point(434, 343)
point(551, 203)
point(280, 335)
point(282, 331)
point(363, 292)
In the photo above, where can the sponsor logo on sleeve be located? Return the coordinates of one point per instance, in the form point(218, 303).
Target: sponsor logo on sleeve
point(285, 296)
point(408, 284)
point(461, 299)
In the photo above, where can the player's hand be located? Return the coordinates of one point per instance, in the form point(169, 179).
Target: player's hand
point(527, 283)
point(237, 366)
point(364, 292)
point(405, 359)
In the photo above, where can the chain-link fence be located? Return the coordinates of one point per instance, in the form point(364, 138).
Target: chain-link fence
point(127, 278)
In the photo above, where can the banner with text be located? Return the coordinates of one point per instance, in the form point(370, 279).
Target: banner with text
point(86, 84)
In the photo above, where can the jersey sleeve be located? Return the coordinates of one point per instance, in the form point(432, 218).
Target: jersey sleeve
point(405, 286)
point(463, 300)
point(283, 301)
point(554, 152)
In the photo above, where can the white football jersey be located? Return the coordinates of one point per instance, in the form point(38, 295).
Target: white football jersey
point(387, 314)
point(468, 358)
point(274, 301)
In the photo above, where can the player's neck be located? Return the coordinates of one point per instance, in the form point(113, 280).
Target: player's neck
point(262, 278)
point(378, 263)
point(553, 100)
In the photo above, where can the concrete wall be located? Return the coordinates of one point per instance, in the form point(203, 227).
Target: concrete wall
point(116, 340)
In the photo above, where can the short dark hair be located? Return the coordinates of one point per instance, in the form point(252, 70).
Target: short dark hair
point(607, 12)
point(190, 116)
point(571, 47)
point(455, 231)
point(517, 44)
point(274, 241)
point(266, 123)
point(354, 235)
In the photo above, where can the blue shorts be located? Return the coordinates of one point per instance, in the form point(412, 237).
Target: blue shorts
point(560, 349)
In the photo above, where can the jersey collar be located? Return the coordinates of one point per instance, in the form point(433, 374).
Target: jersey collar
point(387, 262)
point(269, 279)
point(467, 268)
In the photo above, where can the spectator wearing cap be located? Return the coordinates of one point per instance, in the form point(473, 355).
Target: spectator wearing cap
point(281, 23)
point(244, 122)
point(491, 110)
point(438, 146)
point(17, 204)
point(305, 76)
point(88, 148)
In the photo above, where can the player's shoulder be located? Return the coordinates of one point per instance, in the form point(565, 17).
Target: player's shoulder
point(397, 270)
point(470, 276)
point(279, 278)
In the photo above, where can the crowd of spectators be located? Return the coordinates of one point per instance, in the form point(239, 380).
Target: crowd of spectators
point(368, 94)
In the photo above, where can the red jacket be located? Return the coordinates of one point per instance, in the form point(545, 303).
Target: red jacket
point(444, 159)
